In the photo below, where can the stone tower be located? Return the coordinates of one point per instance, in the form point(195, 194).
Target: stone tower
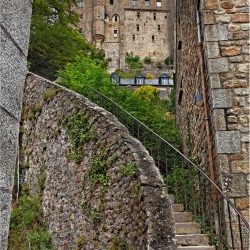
point(125, 26)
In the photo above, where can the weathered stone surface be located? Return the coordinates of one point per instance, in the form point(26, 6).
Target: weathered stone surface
point(222, 98)
point(9, 127)
point(235, 83)
point(228, 142)
point(218, 65)
point(216, 32)
point(135, 208)
point(17, 10)
point(236, 184)
point(213, 50)
point(219, 119)
point(242, 203)
point(214, 81)
point(230, 51)
point(13, 66)
point(211, 4)
point(240, 18)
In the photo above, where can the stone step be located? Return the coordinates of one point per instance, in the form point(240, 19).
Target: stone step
point(192, 239)
point(196, 248)
point(178, 207)
point(183, 216)
point(188, 228)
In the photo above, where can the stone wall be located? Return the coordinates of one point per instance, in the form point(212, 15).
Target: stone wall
point(102, 189)
point(122, 17)
point(14, 33)
point(225, 34)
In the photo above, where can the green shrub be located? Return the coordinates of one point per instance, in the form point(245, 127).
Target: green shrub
point(147, 60)
point(169, 60)
point(133, 61)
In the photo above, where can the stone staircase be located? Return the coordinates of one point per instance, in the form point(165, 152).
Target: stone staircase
point(188, 233)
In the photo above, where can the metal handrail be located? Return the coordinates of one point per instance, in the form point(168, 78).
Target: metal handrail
point(182, 155)
point(176, 150)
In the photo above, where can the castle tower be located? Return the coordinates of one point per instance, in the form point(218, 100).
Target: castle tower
point(127, 26)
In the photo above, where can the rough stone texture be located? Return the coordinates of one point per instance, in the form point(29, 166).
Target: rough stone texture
point(100, 19)
point(224, 34)
point(136, 209)
point(228, 142)
point(14, 37)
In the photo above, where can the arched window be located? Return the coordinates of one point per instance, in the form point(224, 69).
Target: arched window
point(116, 18)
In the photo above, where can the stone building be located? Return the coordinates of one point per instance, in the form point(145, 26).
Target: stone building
point(125, 26)
point(212, 54)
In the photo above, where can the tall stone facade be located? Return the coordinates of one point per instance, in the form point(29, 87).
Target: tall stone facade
point(224, 57)
point(125, 26)
point(14, 34)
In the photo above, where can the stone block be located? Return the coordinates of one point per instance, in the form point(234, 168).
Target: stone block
point(230, 51)
point(208, 17)
point(223, 18)
point(13, 71)
point(240, 18)
point(213, 50)
point(215, 32)
point(223, 163)
point(236, 185)
point(240, 35)
point(214, 81)
point(219, 119)
point(218, 65)
point(242, 203)
point(235, 83)
point(19, 30)
point(211, 4)
point(240, 167)
point(235, 59)
point(228, 142)
point(222, 98)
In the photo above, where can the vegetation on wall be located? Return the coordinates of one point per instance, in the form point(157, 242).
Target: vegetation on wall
point(133, 61)
point(53, 40)
point(84, 73)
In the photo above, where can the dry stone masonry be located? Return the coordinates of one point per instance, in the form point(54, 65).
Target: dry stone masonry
point(14, 47)
point(102, 189)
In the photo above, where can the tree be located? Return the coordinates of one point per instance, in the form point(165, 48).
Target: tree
point(53, 40)
point(133, 61)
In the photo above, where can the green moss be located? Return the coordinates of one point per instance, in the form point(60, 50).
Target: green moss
point(99, 167)
point(117, 243)
point(80, 241)
point(49, 94)
point(38, 107)
point(128, 169)
point(79, 131)
point(26, 225)
point(134, 192)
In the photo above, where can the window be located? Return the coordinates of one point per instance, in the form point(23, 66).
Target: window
point(158, 3)
point(159, 27)
point(133, 37)
point(79, 3)
point(115, 33)
point(179, 47)
point(147, 3)
point(111, 2)
point(138, 27)
point(106, 18)
point(134, 2)
point(154, 16)
point(138, 14)
point(153, 38)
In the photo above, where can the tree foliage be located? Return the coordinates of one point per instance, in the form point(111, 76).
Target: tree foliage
point(133, 61)
point(148, 93)
point(53, 40)
point(86, 72)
